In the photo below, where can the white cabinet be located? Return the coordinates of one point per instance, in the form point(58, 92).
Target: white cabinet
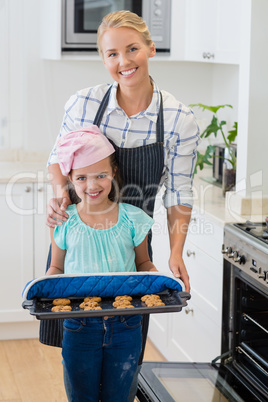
point(16, 239)
point(211, 31)
point(194, 334)
point(24, 240)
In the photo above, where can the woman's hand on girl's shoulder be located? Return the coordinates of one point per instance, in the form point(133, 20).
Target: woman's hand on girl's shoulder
point(56, 211)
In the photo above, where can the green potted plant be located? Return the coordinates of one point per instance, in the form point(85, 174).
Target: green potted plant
point(216, 127)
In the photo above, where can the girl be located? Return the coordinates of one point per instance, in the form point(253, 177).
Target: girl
point(99, 236)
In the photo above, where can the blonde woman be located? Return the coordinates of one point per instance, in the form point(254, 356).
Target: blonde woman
point(154, 135)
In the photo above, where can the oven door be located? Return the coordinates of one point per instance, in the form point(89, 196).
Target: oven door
point(191, 382)
point(81, 19)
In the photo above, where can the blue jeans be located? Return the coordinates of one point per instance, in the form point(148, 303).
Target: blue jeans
point(101, 351)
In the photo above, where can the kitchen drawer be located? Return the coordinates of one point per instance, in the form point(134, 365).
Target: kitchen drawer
point(206, 235)
point(206, 278)
point(193, 336)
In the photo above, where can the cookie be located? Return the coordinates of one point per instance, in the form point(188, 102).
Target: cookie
point(92, 308)
point(155, 304)
point(83, 305)
point(152, 297)
point(125, 297)
point(121, 303)
point(57, 309)
point(92, 298)
point(125, 306)
point(61, 302)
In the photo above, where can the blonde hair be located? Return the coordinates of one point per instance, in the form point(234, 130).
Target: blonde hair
point(127, 19)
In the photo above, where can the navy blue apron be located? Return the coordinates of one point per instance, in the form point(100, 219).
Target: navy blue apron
point(141, 170)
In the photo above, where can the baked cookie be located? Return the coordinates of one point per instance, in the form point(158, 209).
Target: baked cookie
point(151, 297)
point(155, 303)
point(125, 306)
point(61, 302)
point(57, 309)
point(92, 308)
point(92, 298)
point(83, 305)
point(125, 297)
point(121, 303)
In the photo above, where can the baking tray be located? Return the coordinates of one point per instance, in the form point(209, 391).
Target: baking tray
point(173, 299)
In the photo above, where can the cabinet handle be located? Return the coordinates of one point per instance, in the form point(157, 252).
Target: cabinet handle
point(40, 189)
point(27, 189)
point(207, 55)
point(189, 310)
point(189, 253)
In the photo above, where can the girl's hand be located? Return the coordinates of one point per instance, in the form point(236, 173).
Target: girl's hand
point(56, 211)
point(177, 267)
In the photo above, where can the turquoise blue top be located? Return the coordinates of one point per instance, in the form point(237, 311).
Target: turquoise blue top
point(91, 250)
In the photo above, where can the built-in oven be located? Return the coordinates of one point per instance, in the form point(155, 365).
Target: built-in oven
point(241, 372)
point(81, 18)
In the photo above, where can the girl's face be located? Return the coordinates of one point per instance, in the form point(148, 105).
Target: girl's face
point(125, 55)
point(93, 183)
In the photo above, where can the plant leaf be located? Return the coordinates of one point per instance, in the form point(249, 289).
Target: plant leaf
point(202, 159)
point(232, 133)
point(213, 127)
point(212, 109)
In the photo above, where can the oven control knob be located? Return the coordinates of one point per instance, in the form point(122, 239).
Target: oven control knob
point(262, 275)
point(230, 252)
point(223, 249)
point(239, 258)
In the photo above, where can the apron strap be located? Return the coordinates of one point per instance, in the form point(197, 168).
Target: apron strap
point(102, 108)
point(159, 122)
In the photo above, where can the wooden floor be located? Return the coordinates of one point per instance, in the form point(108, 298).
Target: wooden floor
point(32, 372)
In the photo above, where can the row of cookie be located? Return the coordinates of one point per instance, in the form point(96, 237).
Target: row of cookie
point(92, 303)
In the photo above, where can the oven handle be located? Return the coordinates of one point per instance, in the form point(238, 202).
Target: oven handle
point(255, 322)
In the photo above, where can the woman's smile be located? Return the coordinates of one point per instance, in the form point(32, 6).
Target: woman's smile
point(128, 73)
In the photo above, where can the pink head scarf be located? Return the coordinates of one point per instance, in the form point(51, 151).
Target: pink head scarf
point(82, 148)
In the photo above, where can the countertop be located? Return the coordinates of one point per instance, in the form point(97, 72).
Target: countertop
point(208, 199)
point(23, 172)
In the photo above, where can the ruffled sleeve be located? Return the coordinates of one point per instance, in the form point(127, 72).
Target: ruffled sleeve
point(140, 223)
point(61, 230)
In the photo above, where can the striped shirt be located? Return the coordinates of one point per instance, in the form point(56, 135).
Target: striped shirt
point(181, 134)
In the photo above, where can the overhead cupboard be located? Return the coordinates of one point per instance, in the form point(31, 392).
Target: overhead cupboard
point(200, 30)
point(206, 31)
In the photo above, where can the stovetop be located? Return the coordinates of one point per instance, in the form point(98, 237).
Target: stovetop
point(258, 230)
point(246, 247)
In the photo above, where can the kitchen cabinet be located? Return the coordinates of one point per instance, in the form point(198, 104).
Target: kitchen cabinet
point(194, 334)
point(24, 241)
point(201, 30)
point(211, 31)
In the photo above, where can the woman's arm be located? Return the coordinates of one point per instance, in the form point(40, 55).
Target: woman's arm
point(57, 206)
point(57, 257)
point(142, 259)
point(178, 218)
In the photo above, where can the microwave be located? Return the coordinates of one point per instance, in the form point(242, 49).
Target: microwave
point(81, 18)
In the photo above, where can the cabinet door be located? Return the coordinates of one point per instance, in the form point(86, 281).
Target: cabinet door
point(195, 333)
point(213, 30)
point(16, 239)
point(193, 337)
point(42, 193)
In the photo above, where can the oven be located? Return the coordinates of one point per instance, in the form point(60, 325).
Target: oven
point(241, 372)
point(81, 18)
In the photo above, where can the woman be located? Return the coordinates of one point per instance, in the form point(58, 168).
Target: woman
point(154, 136)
